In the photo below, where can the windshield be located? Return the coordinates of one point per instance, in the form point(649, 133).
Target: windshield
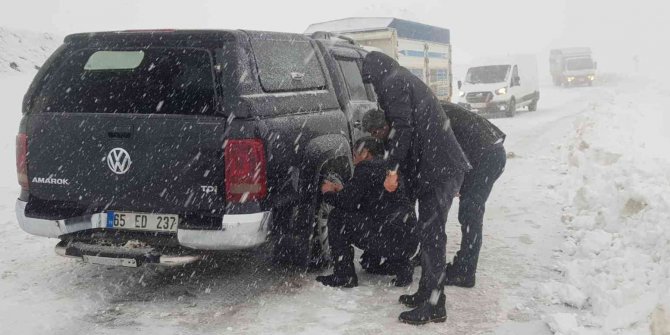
point(487, 74)
point(146, 81)
point(579, 64)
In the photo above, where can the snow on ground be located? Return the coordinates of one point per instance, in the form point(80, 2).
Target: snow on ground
point(576, 242)
point(23, 51)
point(614, 261)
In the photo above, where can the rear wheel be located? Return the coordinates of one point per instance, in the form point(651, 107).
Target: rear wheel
point(319, 253)
point(511, 108)
point(303, 239)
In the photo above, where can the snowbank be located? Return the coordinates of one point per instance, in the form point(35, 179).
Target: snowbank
point(615, 256)
point(22, 51)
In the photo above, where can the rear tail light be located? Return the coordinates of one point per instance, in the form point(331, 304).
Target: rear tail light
point(246, 178)
point(22, 160)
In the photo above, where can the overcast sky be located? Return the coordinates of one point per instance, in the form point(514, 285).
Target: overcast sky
point(617, 30)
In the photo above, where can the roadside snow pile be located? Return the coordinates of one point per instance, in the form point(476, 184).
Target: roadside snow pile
point(615, 258)
point(22, 51)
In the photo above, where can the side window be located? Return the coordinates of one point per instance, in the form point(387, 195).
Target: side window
point(515, 74)
point(288, 65)
point(372, 96)
point(353, 78)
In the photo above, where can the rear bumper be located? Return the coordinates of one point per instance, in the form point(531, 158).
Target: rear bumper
point(238, 231)
point(123, 256)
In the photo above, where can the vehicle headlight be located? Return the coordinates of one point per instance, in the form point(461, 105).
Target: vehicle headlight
point(501, 91)
point(592, 77)
point(571, 78)
point(461, 93)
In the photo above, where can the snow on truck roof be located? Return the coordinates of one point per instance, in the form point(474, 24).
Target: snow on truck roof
point(406, 29)
point(571, 51)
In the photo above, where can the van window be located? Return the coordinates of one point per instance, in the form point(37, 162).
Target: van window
point(487, 74)
point(288, 65)
point(353, 78)
point(147, 81)
point(515, 74)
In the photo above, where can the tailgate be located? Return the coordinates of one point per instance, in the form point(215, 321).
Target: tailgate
point(133, 162)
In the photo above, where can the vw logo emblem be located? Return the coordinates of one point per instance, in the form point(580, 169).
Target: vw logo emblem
point(118, 160)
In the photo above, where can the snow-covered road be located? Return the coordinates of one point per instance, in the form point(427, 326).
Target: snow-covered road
point(528, 231)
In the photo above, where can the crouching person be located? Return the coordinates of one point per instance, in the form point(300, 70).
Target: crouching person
point(368, 217)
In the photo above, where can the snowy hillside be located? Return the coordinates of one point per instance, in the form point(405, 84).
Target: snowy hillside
point(22, 51)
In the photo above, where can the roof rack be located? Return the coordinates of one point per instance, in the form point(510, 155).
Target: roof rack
point(326, 35)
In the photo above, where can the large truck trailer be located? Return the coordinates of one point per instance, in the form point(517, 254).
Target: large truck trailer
point(423, 49)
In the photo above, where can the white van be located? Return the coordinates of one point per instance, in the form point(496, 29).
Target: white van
point(501, 86)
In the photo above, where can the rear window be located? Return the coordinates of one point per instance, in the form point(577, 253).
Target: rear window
point(147, 81)
point(288, 66)
point(114, 60)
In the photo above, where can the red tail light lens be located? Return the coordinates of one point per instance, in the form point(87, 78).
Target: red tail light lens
point(22, 160)
point(246, 178)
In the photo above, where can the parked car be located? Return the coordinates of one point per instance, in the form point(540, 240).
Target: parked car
point(501, 85)
point(155, 147)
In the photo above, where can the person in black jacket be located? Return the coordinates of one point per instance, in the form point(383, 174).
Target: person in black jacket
point(367, 216)
point(483, 143)
point(423, 150)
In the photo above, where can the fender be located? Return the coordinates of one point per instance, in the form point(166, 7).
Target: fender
point(321, 151)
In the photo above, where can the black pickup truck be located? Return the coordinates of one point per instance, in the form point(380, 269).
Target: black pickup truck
point(157, 147)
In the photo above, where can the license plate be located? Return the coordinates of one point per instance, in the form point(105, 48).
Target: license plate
point(478, 105)
point(127, 262)
point(142, 221)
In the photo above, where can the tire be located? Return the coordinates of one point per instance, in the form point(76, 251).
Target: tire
point(511, 108)
point(319, 252)
point(533, 106)
point(302, 239)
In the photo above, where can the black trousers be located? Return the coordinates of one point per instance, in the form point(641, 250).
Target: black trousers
point(389, 236)
point(434, 205)
point(475, 191)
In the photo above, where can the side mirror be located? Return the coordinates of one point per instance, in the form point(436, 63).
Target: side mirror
point(460, 84)
point(595, 65)
point(516, 81)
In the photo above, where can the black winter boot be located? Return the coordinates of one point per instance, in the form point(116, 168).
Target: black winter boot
point(458, 276)
point(414, 300)
point(344, 272)
point(426, 313)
